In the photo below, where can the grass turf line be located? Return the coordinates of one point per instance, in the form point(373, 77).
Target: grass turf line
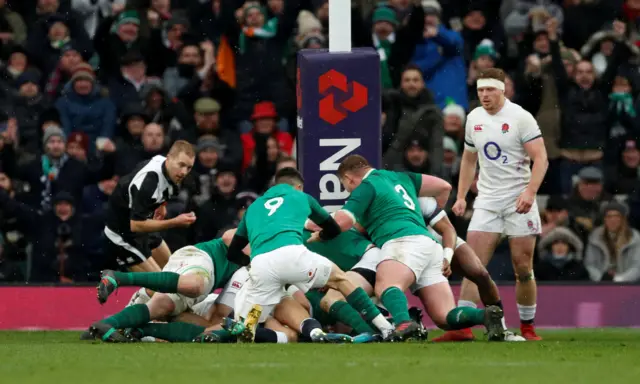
point(575, 356)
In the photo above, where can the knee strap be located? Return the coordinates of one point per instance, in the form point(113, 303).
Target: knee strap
point(528, 277)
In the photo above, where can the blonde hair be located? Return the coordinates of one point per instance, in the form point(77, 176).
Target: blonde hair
point(181, 146)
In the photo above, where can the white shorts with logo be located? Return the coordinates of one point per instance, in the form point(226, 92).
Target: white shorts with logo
point(507, 221)
point(271, 271)
point(417, 252)
point(185, 261)
point(227, 296)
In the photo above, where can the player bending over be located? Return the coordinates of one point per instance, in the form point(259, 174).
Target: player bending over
point(386, 204)
point(504, 138)
point(273, 227)
point(190, 275)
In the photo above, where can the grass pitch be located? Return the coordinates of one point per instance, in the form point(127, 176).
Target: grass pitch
point(575, 356)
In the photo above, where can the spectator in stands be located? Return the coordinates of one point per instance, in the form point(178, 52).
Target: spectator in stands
point(411, 113)
point(556, 215)
point(624, 178)
point(584, 18)
point(454, 119)
point(205, 168)
point(440, 58)
point(584, 121)
point(84, 108)
point(450, 161)
point(193, 60)
point(207, 117)
point(416, 156)
point(16, 62)
point(78, 146)
point(27, 108)
point(219, 211)
point(163, 110)
point(243, 200)
point(124, 88)
point(152, 143)
point(166, 41)
point(70, 57)
point(484, 57)
point(132, 121)
point(394, 42)
point(263, 168)
point(92, 11)
point(114, 38)
point(55, 172)
point(623, 117)
point(13, 31)
point(560, 257)
point(588, 196)
point(14, 249)
point(530, 14)
point(95, 197)
point(264, 119)
point(476, 28)
point(8, 161)
point(613, 252)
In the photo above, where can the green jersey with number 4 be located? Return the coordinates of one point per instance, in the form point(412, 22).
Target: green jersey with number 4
point(345, 251)
point(223, 268)
point(386, 205)
point(276, 219)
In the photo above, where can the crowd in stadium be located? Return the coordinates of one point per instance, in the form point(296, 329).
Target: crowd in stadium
point(89, 88)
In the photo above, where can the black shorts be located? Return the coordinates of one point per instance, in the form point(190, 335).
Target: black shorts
point(130, 251)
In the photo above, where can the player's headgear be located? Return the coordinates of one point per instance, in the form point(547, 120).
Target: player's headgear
point(492, 77)
point(289, 176)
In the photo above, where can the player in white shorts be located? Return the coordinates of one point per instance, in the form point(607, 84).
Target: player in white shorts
point(505, 139)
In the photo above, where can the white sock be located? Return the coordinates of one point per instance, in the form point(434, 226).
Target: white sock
point(467, 303)
point(282, 338)
point(527, 312)
point(382, 324)
point(315, 332)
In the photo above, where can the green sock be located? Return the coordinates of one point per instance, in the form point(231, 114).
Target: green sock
point(396, 303)
point(165, 282)
point(464, 317)
point(361, 302)
point(345, 313)
point(174, 332)
point(130, 317)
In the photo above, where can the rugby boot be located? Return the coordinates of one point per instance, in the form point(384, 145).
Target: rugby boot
point(234, 327)
point(332, 338)
point(529, 332)
point(510, 336)
point(107, 333)
point(366, 337)
point(455, 336)
point(250, 324)
point(107, 285)
point(493, 322)
point(406, 330)
point(87, 336)
point(207, 337)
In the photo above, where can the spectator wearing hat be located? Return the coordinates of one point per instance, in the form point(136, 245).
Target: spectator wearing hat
point(623, 179)
point(556, 214)
point(450, 161)
point(416, 157)
point(485, 57)
point(28, 106)
point(393, 41)
point(219, 211)
point(411, 115)
point(264, 119)
point(588, 196)
point(50, 34)
point(78, 146)
point(261, 43)
point(132, 121)
point(115, 37)
point(125, 87)
point(56, 171)
point(193, 60)
point(454, 119)
point(166, 41)
point(13, 64)
point(70, 57)
point(584, 124)
point(208, 152)
point(560, 257)
point(613, 251)
point(83, 108)
point(440, 58)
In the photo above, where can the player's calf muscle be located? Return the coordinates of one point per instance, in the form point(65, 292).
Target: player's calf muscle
point(329, 299)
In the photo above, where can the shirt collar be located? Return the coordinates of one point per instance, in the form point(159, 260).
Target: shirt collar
point(367, 174)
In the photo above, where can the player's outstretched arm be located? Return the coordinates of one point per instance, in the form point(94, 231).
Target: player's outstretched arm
point(435, 187)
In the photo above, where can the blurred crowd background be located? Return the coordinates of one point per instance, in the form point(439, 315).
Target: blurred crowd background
point(89, 88)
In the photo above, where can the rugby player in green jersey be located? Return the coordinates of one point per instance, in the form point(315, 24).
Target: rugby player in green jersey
point(190, 275)
point(273, 226)
point(386, 204)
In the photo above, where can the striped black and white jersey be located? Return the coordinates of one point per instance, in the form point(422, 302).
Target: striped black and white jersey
point(138, 195)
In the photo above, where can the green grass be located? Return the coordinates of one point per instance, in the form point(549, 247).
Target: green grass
point(576, 356)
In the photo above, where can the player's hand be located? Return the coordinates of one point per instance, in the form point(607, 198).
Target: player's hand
point(185, 219)
point(460, 207)
point(446, 268)
point(525, 201)
point(315, 236)
point(311, 226)
point(160, 212)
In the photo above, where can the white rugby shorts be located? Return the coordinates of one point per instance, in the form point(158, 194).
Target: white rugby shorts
point(507, 221)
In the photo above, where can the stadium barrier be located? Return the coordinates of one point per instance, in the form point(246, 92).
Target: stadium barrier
point(559, 306)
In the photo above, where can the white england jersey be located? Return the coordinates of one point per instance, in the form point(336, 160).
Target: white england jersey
point(504, 164)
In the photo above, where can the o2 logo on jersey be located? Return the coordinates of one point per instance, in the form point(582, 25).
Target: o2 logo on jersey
point(492, 151)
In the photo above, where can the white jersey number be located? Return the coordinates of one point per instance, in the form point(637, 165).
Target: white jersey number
point(273, 204)
point(407, 199)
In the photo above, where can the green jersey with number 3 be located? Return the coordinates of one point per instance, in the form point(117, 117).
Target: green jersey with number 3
point(276, 219)
point(223, 268)
point(386, 205)
point(345, 251)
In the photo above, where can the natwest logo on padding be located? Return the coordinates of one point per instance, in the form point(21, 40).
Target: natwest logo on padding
point(331, 111)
